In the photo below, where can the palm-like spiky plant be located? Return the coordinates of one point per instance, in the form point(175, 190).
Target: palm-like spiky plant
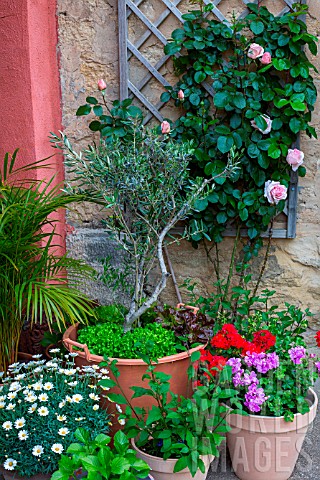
point(33, 277)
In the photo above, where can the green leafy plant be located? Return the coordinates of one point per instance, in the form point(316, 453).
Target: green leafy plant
point(41, 406)
point(108, 339)
point(100, 461)
point(145, 185)
point(33, 278)
point(176, 427)
point(188, 324)
point(264, 95)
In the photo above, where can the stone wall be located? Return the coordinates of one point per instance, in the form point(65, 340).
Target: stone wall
point(88, 45)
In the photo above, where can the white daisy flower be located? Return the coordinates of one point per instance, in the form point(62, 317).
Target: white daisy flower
point(43, 411)
point(105, 371)
point(19, 423)
point(122, 421)
point(37, 386)
point(95, 407)
point(70, 372)
point(14, 386)
point(2, 405)
point(43, 397)
point(13, 365)
point(30, 397)
point(118, 408)
point(2, 398)
point(105, 377)
point(62, 404)
point(73, 384)
point(37, 450)
point(77, 398)
point(12, 395)
point(23, 435)
point(61, 418)
point(57, 448)
point(7, 425)
point(48, 386)
point(91, 386)
point(93, 396)
point(10, 463)
point(33, 408)
point(10, 406)
point(73, 354)
point(21, 376)
point(63, 431)
point(104, 388)
point(95, 367)
point(54, 350)
point(39, 355)
point(68, 399)
point(79, 419)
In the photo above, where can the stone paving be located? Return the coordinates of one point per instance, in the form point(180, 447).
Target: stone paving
point(308, 465)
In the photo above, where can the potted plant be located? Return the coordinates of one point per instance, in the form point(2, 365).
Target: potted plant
point(140, 176)
point(178, 437)
point(273, 374)
point(41, 406)
point(33, 277)
point(94, 458)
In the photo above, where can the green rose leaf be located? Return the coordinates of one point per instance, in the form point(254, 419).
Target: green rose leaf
point(200, 77)
point(225, 144)
point(256, 27)
point(83, 110)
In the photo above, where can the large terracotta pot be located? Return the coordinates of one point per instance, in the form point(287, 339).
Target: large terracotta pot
point(132, 370)
point(163, 469)
point(267, 448)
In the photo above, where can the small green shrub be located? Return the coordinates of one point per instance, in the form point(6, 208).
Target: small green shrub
point(110, 313)
point(109, 340)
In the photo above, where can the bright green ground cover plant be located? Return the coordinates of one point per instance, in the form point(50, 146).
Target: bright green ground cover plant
point(99, 460)
point(264, 95)
point(177, 427)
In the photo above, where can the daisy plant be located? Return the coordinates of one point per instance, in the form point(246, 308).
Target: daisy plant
point(41, 406)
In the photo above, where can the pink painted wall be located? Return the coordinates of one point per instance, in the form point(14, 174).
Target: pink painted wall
point(29, 85)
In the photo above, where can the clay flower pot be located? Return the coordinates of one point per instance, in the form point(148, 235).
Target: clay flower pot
point(163, 469)
point(13, 475)
point(132, 370)
point(267, 448)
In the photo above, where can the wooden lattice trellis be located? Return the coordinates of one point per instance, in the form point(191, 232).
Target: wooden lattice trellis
point(128, 88)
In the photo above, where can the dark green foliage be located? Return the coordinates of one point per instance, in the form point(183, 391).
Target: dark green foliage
point(245, 90)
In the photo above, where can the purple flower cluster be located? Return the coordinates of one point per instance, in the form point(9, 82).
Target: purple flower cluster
point(297, 354)
point(263, 362)
point(235, 363)
point(317, 364)
point(254, 398)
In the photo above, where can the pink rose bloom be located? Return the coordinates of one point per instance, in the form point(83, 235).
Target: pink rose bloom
point(274, 191)
point(102, 85)
point(181, 95)
point(255, 51)
point(295, 158)
point(269, 124)
point(165, 127)
point(266, 58)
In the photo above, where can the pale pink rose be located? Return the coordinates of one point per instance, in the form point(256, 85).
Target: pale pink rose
point(269, 124)
point(255, 51)
point(266, 58)
point(181, 95)
point(165, 127)
point(102, 85)
point(274, 191)
point(295, 158)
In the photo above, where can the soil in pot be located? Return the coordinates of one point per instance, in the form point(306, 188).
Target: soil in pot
point(267, 448)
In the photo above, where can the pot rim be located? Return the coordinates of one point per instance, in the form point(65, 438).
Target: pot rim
point(69, 344)
point(169, 460)
point(312, 406)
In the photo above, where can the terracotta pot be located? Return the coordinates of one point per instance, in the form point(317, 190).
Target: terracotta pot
point(13, 475)
point(24, 357)
point(163, 469)
point(132, 370)
point(267, 448)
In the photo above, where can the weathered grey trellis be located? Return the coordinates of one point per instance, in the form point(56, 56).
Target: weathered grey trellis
point(128, 88)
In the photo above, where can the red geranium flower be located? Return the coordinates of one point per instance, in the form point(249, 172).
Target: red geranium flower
point(317, 337)
point(263, 340)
